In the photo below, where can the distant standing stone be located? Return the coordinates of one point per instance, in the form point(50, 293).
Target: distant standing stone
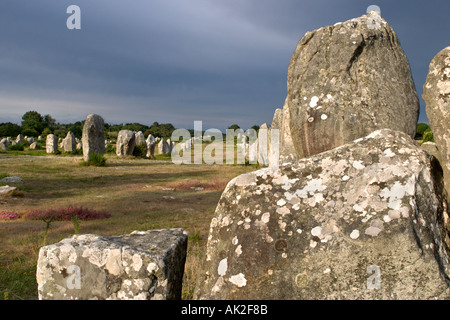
point(69, 143)
point(140, 138)
point(93, 138)
point(19, 139)
point(163, 147)
point(51, 143)
point(126, 141)
point(151, 143)
point(4, 144)
point(34, 145)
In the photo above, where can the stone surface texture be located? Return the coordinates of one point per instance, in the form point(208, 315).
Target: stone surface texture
point(366, 220)
point(143, 265)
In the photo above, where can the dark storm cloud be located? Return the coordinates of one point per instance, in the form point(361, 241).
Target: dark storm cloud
point(221, 61)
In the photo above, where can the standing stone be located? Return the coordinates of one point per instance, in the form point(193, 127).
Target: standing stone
point(51, 145)
point(30, 140)
point(34, 145)
point(363, 221)
point(436, 93)
point(347, 80)
point(163, 147)
point(140, 138)
point(19, 139)
point(263, 145)
point(143, 265)
point(170, 145)
point(4, 144)
point(93, 138)
point(151, 143)
point(126, 141)
point(69, 143)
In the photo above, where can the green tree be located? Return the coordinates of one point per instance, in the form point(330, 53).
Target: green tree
point(49, 122)
point(421, 129)
point(234, 127)
point(32, 120)
point(9, 129)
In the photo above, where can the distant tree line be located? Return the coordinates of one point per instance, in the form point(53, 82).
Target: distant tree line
point(34, 124)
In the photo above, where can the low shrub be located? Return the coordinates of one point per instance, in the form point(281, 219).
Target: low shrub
point(140, 150)
point(428, 136)
point(16, 147)
point(67, 214)
point(97, 160)
point(6, 215)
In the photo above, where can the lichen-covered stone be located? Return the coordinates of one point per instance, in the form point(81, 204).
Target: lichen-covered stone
point(93, 138)
point(144, 265)
point(347, 80)
point(436, 93)
point(362, 221)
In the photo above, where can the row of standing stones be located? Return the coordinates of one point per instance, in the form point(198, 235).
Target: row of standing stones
point(356, 210)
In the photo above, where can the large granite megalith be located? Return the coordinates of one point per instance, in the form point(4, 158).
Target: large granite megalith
point(93, 138)
point(436, 93)
point(362, 221)
point(143, 265)
point(345, 81)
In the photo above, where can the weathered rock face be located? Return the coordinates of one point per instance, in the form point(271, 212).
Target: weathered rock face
point(436, 93)
point(145, 265)
point(347, 80)
point(126, 141)
point(69, 143)
point(93, 139)
point(51, 145)
point(362, 221)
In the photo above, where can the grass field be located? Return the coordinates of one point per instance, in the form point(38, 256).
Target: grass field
point(140, 194)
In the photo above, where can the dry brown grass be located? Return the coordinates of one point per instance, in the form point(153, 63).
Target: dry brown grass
point(140, 194)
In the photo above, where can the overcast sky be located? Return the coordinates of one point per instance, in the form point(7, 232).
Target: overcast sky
point(176, 61)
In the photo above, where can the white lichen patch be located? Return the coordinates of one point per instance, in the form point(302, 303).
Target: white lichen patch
point(388, 153)
point(283, 211)
point(238, 250)
point(355, 234)
point(238, 280)
point(223, 266)
point(317, 231)
point(358, 165)
point(313, 102)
